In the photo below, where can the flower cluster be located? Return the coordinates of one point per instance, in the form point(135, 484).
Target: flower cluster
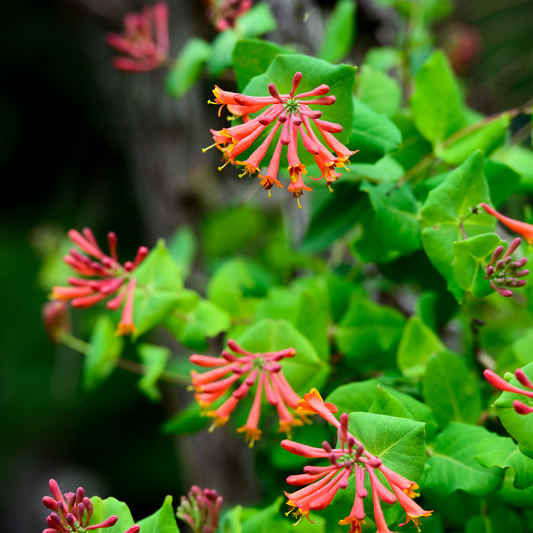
point(112, 277)
point(145, 39)
point(56, 320)
point(496, 381)
point(201, 509)
point(526, 230)
point(263, 368)
point(72, 512)
point(293, 115)
point(224, 13)
point(503, 272)
point(323, 482)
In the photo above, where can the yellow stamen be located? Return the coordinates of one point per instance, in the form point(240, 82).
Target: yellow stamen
point(225, 164)
point(330, 189)
point(204, 150)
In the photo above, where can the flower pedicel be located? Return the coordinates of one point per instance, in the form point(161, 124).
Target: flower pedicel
point(290, 113)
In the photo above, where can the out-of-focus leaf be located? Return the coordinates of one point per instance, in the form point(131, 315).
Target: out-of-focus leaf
point(386, 170)
point(379, 91)
point(502, 180)
point(383, 58)
point(104, 349)
point(520, 160)
point(162, 521)
point(188, 67)
point(182, 248)
point(339, 33)
point(257, 21)
point(252, 57)
point(154, 358)
point(436, 102)
point(158, 289)
point(499, 518)
point(413, 147)
point(222, 52)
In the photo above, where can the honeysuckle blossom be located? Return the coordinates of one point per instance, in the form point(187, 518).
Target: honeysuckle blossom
point(292, 114)
point(503, 272)
point(496, 381)
point(201, 509)
point(144, 39)
point(224, 13)
point(526, 230)
point(72, 512)
point(56, 320)
point(112, 278)
point(321, 483)
point(261, 368)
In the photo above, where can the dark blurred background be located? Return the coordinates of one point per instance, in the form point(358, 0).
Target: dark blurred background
point(84, 145)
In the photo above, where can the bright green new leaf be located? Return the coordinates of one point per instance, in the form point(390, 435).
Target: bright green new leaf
point(339, 33)
point(162, 521)
point(447, 212)
point(418, 343)
point(503, 452)
point(222, 52)
point(103, 509)
point(436, 102)
point(182, 248)
point(303, 371)
point(252, 57)
point(104, 350)
point(520, 427)
point(154, 358)
point(450, 390)
point(373, 134)
point(379, 91)
point(257, 21)
point(188, 67)
point(230, 521)
point(471, 258)
point(386, 170)
point(158, 289)
point(452, 463)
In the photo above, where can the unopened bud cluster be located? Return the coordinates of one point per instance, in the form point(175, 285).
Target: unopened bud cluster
point(72, 512)
point(201, 509)
point(504, 273)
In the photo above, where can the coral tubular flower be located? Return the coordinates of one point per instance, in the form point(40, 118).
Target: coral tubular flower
point(144, 39)
point(201, 509)
point(261, 368)
point(292, 112)
point(526, 230)
point(104, 277)
point(321, 483)
point(496, 381)
point(72, 512)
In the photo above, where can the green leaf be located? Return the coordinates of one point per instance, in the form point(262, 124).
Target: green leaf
point(154, 358)
point(379, 91)
point(339, 78)
point(386, 170)
point(188, 67)
point(418, 343)
point(471, 258)
point(398, 442)
point(304, 370)
point(520, 160)
point(256, 21)
point(436, 102)
point(158, 289)
point(383, 58)
point(520, 427)
point(182, 248)
point(368, 331)
point(502, 180)
point(447, 210)
point(413, 147)
point(162, 521)
point(374, 135)
point(503, 452)
point(452, 463)
point(339, 32)
point(450, 390)
point(498, 519)
point(488, 138)
point(103, 509)
point(252, 57)
point(104, 350)
point(222, 52)
point(230, 521)
point(386, 404)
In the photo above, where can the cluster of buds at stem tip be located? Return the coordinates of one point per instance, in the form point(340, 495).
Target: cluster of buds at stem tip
point(504, 273)
point(105, 276)
point(72, 512)
point(323, 482)
point(293, 115)
point(201, 509)
point(144, 39)
point(56, 320)
point(261, 368)
point(224, 13)
point(526, 230)
point(496, 381)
